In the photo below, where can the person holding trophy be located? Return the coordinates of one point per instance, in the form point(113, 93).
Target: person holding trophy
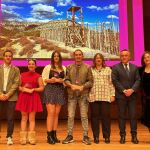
point(29, 101)
point(54, 94)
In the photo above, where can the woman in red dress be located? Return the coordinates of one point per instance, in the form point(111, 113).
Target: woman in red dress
point(29, 101)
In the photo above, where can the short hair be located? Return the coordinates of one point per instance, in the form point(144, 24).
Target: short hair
point(8, 51)
point(78, 50)
point(124, 50)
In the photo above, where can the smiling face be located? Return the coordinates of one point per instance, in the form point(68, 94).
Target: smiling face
point(78, 56)
point(31, 65)
point(56, 58)
point(147, 59)
point(98, 60)
point(7, 58)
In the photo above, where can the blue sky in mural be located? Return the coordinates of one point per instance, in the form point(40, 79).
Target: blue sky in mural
point(45, 10)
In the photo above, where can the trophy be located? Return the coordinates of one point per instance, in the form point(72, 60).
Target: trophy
point(28, 85)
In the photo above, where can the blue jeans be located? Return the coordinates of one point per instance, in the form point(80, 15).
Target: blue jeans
point(83, 105)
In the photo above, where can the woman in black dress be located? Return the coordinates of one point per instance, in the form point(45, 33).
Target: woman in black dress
point(54, 98)
point(145, 80)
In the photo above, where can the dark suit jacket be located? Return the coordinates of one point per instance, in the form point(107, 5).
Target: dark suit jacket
point(121, 81)
point(12, 84)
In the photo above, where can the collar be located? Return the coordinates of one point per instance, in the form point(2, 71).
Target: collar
point(126, 64)
point(78, 64)
point(5, 66)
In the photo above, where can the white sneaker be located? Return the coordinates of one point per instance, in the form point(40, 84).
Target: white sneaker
point(9, 141)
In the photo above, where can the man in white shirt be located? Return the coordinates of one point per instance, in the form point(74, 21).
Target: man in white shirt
point(9, 83)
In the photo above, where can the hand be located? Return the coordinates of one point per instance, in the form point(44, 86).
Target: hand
point(81, 88)
point(59, 80)
point(3, 97)
point(77, 87)
point(53, 79)
point(27, 90)
point(6, 97)
point(128, 92)
point(73, 87)
point(31, 91)
point(112, 98)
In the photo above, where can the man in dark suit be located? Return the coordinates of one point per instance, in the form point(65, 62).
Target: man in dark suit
point(126, 79)
point(9, 83)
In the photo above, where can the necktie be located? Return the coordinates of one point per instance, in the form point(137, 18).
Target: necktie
point(127, 70)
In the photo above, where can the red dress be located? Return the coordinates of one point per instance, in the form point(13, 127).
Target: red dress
point(29, 102)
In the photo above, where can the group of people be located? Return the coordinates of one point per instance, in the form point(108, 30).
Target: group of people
point(96, 86)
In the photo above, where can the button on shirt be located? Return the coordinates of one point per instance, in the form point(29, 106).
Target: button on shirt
point(6, 74)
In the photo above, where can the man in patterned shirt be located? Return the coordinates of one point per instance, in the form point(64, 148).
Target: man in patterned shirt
point(79, 80)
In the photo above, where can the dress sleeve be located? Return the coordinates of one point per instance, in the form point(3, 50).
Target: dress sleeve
point(45, 73)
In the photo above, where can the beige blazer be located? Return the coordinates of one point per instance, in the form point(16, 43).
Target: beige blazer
point(13, 82)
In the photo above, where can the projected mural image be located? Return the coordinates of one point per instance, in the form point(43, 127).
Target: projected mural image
point(35, 28)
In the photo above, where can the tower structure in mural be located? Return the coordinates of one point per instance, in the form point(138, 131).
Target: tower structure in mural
point(75, 31)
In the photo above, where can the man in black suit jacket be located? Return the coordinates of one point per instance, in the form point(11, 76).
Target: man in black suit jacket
point(126, 79)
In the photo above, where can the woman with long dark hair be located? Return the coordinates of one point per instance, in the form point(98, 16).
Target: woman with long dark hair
point(145, 82)
point(101, 95)
point(53, 77)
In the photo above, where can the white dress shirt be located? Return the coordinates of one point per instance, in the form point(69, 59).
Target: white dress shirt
point(127, 66)
point(6, 74)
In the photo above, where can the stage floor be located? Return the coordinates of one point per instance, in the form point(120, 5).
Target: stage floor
point(143, 136)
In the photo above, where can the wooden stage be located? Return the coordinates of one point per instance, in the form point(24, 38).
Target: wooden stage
point(143, 136)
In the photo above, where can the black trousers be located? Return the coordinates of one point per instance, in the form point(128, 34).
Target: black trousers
point(123, 105)
point(10, 109)
point(100, 109)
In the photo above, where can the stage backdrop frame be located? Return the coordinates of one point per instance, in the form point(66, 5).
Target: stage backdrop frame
point(137, 12)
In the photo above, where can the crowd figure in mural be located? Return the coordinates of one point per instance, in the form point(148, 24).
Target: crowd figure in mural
point(93, 87)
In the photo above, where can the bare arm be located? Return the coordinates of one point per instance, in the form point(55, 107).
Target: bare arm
point(41, 85)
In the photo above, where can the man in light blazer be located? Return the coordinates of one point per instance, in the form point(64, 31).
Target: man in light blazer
point(9, 83)
point(126, 79)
